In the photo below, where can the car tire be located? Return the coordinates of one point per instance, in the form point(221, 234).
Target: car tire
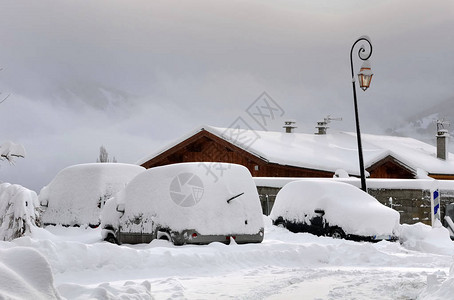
point(111, 239)
point(337, 233)
point(280, 222)
point(163, 235)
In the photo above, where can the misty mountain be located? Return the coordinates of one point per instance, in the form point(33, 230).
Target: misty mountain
point(85, 93)
point(423, 125)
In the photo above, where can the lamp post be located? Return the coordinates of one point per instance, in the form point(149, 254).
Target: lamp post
point(364, 78)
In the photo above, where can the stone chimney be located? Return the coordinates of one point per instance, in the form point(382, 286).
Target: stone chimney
point(322, 126)
point(289, 126)
point(442, 139)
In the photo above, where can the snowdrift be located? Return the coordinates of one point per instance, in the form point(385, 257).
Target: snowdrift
point(25, 274)
point(78, 193)
point(19, 211)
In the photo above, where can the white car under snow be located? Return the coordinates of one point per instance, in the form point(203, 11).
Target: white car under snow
point(187, 203)
point(77, 194)
point(337, 209)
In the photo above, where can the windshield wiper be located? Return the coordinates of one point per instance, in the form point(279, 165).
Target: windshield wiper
point(230, 199)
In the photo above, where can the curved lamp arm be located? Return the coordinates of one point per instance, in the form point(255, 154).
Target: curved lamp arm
point(362, 53)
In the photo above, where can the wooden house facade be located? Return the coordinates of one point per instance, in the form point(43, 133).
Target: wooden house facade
point(206, 145)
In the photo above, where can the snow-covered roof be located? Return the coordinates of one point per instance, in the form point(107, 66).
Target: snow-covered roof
point(328, 152)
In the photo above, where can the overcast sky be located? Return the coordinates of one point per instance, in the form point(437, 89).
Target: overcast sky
point(135, 75)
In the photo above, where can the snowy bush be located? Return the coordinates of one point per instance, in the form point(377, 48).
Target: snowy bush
point(19, 211)
point(78, 193)
point(10, 150)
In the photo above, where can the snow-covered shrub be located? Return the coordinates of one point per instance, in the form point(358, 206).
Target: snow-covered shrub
point(78, 193)
point(10, 150)
point(19, 211)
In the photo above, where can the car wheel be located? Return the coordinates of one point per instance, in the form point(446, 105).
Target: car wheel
point(337, 233)
point(279, 222)
point(111, 239)
point(164, 235)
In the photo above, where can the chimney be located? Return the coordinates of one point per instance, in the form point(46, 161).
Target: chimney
point(442, 139)
point(289, 126)
point(322, 126)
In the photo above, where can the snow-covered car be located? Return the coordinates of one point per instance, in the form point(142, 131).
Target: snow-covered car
point(336, 209)
point(448, 219)
point(77, 194)
point(187, 203)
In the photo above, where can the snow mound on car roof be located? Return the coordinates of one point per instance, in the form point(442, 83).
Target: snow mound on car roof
point(345, 206)
point(77, 193)
point(193, 196)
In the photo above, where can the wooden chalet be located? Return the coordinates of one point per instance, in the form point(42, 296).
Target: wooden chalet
point(288, 154)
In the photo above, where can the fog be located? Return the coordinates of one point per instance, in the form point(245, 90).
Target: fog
point(135, 75)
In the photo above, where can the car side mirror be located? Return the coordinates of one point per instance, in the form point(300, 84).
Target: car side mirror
point(121, 207)
point(44, 203)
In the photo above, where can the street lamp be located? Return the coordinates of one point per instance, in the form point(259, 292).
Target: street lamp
point(364, 78)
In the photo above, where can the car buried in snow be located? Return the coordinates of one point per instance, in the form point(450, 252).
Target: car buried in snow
point(187, 203)
point(336, 209)
point(448, 219)
point(77, 194)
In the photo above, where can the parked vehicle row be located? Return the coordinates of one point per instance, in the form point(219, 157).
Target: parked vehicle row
point(200, 203)
point(190, 203)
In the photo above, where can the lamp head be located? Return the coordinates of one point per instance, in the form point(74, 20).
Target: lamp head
point(365, 75)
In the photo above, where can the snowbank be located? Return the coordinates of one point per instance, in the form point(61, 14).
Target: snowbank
point(78, 193)
point(285, 265)
point(19, 211)
point(346, 206)
point(189, 196)
point(25, 274)
point(437, 288)
point(424, 238)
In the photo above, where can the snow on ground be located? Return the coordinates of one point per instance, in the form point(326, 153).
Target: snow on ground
point(25, 274)
point(284, 266)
